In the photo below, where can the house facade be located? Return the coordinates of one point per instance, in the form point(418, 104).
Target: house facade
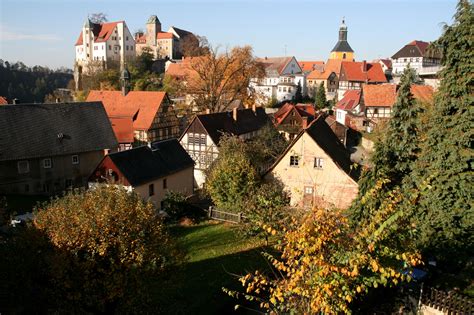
point(149, 171)
point(163, 45)
point(49, 148)
point(354, 74)
point(316, 169)
point(328, 76)
point(101, 44)
point(290, 119)
point(201, 138)
point(281, 80)
point(419, 56)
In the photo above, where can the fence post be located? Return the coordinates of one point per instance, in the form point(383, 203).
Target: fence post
point(240, 217)
point(209, 213)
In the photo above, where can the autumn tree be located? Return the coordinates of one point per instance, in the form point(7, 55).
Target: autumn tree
point(324, 264)
point(195, 46)
point(217, 79)
point(98, 18)
point(231, 177)
point(105, 240)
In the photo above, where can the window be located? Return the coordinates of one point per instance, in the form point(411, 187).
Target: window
point(126, 37)
point(151, 189)
point(47, 163)
point(344, 56)
point(165, 183)
point(294, 160)
point(110, 47)
point(376, 111)
point(23, 167)
point(126, 47)
point(202, 140)
point(75, 159)
point(318, 162)
point(308, 190)
point(131, 47)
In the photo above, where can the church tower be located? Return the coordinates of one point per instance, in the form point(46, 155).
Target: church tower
point(342, 50)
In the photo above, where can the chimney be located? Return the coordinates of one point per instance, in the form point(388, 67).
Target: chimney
point(305, 122)
point(234, 114)
point(364, 66)
point(58, 100)
point(16, 101)
point(208, 111)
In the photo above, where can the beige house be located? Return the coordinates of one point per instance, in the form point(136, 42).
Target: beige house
point(150, 171)
point(316, 169)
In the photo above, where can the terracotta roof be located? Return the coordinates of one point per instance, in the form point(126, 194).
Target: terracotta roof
point(177, 69)
point(123, 129)
point(383, 95)
point(304, 110)
point(308, 66)
point(102, 32)
point(141, 105)
point(164, 35)
point(350, 100)
point(423, 93)
point(354, 71)
point(3, 100)
point(332, 65)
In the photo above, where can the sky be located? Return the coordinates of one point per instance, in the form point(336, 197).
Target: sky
point(44, 32)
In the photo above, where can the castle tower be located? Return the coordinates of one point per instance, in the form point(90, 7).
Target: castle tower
point(153, 27)
point(342, 50)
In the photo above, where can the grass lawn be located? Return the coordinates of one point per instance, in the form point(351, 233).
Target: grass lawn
point(215, 251)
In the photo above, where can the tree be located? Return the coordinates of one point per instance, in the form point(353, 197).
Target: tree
point(395, 153)
point(298, 98)
point(98, 18)
point(195, 46)
point(446, 219)
point(231, 177)
point(106, 242)
point(324, 264)
point(266, 147)
point(320, 101)
point(216, 80)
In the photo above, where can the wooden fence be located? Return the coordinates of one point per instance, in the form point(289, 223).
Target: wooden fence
point(447, 302)
point(225, 216)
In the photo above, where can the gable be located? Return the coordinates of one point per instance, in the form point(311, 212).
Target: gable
point(292, 67)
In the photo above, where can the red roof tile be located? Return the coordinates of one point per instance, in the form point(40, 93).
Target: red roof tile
point(3, 100)
point(350, 100)
point(311, 65)
point(142, 104)
point(305, 110)
point(164, 35)
point(123, 129)
point(355, 71)
point(332, 65)
point(383, 95)
point(102, 32)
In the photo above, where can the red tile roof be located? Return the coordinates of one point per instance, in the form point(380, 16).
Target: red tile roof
point(123, 129)
point(102, 32)
point(3, 100)
point(383, 95)
point(305, 110)
point(141, 105)
point(160, 35)
point(311, 65)
point(332, 65)
point(423, 93)
point(355, 71)
point(350, 100)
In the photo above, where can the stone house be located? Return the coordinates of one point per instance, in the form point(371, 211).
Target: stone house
point(149, 171)
point(316, 169)
point(48, 148)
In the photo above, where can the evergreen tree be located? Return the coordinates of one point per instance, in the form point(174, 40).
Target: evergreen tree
point(395, 152)
point(320, 100)
point(446, 218)
point(298, 98)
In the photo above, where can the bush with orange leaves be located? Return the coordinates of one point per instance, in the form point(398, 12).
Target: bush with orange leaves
point(324, 264)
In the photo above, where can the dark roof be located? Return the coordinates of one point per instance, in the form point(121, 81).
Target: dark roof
point(415, 48)
point(144, 164)
point(181, 33)
point(43, 130)
point(342, 45)
point(217, 124)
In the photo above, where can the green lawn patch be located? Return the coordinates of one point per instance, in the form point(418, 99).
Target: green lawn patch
point(215, 253)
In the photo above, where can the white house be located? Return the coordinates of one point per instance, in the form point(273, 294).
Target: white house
point(282, 77)
point(102, 43)
point(418, 56)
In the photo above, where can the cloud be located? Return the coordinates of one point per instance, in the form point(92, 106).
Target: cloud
point(7, 35)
